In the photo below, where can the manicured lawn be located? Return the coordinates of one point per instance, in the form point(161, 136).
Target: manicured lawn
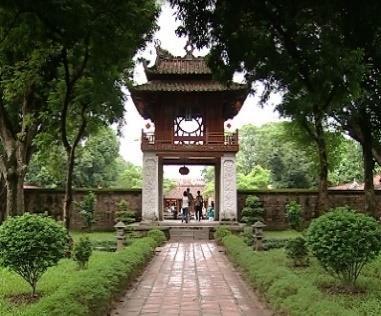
point(95, 236)
point(305, 291)
point(66, 290)
point(282, 234)
point(11, 283)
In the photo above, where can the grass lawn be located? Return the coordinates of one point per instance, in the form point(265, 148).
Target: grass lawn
point(11, 283)
point(305, 291)
point(66, 272)
point(281, 234)
point(94, 236)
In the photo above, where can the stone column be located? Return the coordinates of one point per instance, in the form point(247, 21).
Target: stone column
point(150, 203)
point(228, 188)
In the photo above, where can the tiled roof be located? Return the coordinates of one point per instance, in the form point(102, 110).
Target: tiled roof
point(188, 86)
point(179, 65)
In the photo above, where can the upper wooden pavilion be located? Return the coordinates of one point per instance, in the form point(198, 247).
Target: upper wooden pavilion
point(181, 90)
point(189, 109)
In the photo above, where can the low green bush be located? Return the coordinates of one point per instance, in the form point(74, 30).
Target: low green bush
point(221, 232)
point(82, 252)
point(30, 244)
point(275, 243)
point(157, 235)
point(296, 250)
point(294, 215)
point(253, 210)
point(247, 236)
point(344, 241)
point(93, 290)
point(124, 214)
point(288, 292)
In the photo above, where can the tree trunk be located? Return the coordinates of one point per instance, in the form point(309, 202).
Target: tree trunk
point(20, 193)
point(68, 200)
point(323, 200)
point(3, 197)
point(11, 184)
point(369, 163)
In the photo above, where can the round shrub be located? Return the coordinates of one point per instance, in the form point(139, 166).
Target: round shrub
point(296, 250)
point(82, 252)
point(30, 244)
point(220, 233)
point(294, 215)
point(344, 241)
point(157, 235)
point(253, 210)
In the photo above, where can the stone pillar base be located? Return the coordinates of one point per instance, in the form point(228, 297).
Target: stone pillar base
point(150, 194)
point(228, 188)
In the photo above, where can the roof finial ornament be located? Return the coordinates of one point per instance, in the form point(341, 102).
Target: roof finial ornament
point(157, 43)
point(189, 48)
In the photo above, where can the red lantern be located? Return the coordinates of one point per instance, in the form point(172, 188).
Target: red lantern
point(184, 171)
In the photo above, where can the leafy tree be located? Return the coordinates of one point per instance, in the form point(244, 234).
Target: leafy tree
point(30, 244)
point(294, 214)
point(253, 210)
point(96, 164)
point(82, 252)
point(87, 209)
point(257, 178)
point(296, 250)
point(168, 185)
point(344, 241)
point(302, 55)
point(28, 64)
point(286, 150)
point(63, 63)
point(124, 214)
point(131, 177)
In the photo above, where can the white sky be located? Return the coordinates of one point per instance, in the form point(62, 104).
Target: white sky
point(251, 111)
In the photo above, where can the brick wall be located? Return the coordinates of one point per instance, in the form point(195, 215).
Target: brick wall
point(51, 201)
point(274, 202)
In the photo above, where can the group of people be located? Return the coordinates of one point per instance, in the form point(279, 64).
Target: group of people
point(194, 205)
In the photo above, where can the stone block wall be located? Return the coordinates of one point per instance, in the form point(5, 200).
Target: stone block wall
point(50, 201)
point(274, 203)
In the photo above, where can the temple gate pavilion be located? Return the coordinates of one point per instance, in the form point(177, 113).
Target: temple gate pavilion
point(189, 110)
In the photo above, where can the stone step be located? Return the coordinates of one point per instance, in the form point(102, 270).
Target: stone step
point(189, 233)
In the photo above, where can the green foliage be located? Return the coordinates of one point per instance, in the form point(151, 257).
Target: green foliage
point(289, 291)
point(221, 232)
point(91, 291)
point(130, 176)
point(97, 161)
point(257, 178)
point(294, 215)
point(124, 214)
point(275, 243)
point(87, 209)
point(157, 235)
point(296, 250)
point(247, 236)
point(253, 210)
point(30, 244)
point(344, 241)
point(287, 161)
point(82, 252)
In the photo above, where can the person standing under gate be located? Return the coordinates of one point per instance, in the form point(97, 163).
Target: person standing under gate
point(185, 208)
point(190, 203)
point(198, 205)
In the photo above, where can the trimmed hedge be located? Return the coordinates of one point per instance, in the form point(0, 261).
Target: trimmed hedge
point(92, 292)
point(286, 291)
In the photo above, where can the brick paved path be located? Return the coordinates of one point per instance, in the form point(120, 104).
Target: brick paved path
point(190, 278)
